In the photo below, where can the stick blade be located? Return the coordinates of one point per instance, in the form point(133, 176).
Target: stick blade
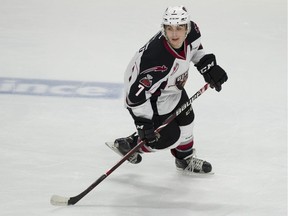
point(59, 200)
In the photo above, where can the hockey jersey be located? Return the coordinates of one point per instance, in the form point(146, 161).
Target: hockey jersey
point(157, 73)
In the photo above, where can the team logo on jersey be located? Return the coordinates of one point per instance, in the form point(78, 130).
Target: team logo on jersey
point(146, 81)
point(156, 69)
point(181, 80)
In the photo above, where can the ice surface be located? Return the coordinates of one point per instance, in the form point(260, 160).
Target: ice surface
point(54, 145)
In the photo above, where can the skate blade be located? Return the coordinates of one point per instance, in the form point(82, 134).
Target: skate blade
point(185, 172)
point(112, 147)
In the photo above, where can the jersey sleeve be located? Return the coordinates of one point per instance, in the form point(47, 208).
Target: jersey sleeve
point(146, 75)
point(143, 85)
point(194, 38)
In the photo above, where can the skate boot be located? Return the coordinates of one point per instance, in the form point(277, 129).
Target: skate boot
point(193, 164)
point(124, 145)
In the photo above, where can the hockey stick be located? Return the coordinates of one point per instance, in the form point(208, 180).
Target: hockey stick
point(64, 201)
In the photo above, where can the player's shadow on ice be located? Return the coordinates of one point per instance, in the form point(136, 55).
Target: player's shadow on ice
point(138, 193)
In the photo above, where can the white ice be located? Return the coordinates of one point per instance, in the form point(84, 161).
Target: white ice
point(52, 145)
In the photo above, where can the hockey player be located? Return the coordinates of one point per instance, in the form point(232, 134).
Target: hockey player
point(154, 87)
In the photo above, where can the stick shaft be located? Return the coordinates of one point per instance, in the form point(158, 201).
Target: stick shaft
point(75, 199)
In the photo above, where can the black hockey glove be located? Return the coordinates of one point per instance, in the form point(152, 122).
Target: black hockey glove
point(213, 73)
point(146, 132)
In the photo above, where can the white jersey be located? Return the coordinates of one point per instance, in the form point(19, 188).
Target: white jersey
point(157, 73)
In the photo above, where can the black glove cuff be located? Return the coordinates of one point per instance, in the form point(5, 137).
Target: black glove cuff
point(143, 124)
point(206, 63)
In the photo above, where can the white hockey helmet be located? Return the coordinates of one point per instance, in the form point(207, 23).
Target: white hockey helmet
point(176, 15)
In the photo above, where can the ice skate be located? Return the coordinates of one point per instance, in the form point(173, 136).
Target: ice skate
point(191, 164)
point(123, 145)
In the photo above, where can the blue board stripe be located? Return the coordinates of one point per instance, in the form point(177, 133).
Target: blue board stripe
point(60, 88)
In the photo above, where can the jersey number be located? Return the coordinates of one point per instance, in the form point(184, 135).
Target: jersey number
point(140, 89)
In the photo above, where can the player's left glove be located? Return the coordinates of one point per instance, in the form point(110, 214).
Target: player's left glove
point(146, 132)
point(212, 73)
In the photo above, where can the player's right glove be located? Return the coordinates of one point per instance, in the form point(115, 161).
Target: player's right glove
point(146, 132)
point(212, 73)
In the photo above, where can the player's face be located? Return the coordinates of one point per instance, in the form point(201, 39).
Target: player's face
point(176, 35)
